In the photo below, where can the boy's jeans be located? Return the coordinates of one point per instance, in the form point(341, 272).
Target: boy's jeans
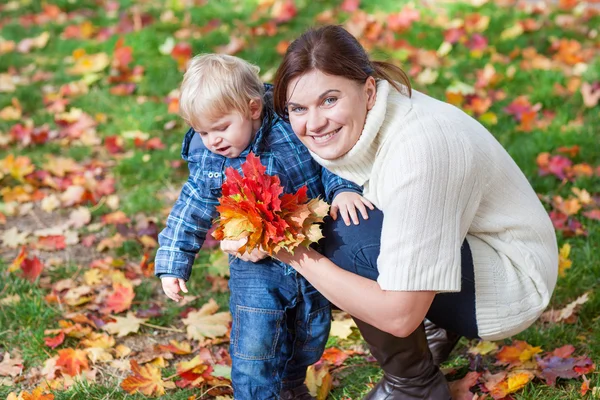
point(280, 327)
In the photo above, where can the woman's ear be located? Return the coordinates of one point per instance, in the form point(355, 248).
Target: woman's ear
point(255, 109)
point(371, 92)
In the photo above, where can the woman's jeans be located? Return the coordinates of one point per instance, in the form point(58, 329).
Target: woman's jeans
point(355, 248)
point(280, 327)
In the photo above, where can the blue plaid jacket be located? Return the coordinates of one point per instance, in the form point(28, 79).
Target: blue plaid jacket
point(279, 150)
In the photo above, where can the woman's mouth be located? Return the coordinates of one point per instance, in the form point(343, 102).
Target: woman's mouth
point(325, 138)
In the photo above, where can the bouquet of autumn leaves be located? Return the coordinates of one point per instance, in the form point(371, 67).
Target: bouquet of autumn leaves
point(254, 206)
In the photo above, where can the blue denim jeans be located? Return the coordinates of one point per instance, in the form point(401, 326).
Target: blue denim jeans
point(280, 327)
point(356, 248)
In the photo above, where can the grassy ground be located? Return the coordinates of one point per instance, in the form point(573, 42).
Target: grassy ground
point(146, 181)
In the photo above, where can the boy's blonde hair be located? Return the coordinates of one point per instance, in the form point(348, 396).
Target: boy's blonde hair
point(217, 84)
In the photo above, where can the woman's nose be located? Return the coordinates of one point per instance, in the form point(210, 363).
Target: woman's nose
point(316, 121)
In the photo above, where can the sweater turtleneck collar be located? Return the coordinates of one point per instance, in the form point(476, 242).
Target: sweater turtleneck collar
point(356, 165)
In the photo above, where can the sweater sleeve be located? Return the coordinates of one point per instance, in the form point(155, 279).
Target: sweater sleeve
point(429, 200)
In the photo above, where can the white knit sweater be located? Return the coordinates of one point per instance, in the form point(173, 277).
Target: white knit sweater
point(439, 176)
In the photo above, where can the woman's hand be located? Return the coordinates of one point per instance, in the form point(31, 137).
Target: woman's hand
point(232, 246)
point(346, 203)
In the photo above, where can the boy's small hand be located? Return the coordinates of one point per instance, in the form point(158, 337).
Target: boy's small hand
point(232, 246)
point(346, 203)
point(171, 287)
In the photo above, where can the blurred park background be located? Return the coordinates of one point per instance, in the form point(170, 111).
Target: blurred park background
point(89, 168)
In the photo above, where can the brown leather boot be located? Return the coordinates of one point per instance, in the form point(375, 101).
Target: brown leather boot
point(441, 342)
point(408, 369)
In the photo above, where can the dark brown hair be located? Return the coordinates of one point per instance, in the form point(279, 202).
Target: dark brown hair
point(334, 51)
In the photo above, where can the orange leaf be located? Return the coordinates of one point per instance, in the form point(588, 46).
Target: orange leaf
point(518, 353)
point(119, 300)
point(37, 394)
point(72, 361)
point(146, 380)
point(284, 10)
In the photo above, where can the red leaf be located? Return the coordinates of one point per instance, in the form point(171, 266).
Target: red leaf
point(55, 341)
point(51, 243)
point(350, 5)
point(181, 53)
point(31, 268)
point(119, 300)
point(284, 10)
point(335, 356)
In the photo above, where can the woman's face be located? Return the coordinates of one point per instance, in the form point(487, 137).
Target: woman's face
point(328, 112)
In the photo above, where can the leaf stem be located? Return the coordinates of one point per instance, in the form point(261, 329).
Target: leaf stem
point(164, 328)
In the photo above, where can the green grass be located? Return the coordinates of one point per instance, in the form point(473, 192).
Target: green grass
point(140, 184)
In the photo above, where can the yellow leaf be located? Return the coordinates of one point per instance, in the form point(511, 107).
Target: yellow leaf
point(206, 322)
point(343, 328)
point(517, 380)
point(483, 347)
point(124, 325)
point(563, 259)
point(319, 381)
point(88, 63)
point(512, 32)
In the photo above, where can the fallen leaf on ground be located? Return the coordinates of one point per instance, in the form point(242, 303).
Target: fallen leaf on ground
point(206, 322)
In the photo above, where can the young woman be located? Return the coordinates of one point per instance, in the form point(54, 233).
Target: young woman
point(461, 238)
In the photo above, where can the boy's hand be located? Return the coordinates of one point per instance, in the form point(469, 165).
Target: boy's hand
point(346, 203)
point(171, 287)
point(232, 246)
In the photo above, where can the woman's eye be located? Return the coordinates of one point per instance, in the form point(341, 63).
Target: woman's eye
point(330, 100)
point(296, 109)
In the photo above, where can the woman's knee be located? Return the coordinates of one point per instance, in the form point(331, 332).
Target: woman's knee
point(355, 247)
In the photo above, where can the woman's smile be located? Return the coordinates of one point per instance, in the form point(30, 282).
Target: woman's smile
point(324, 139)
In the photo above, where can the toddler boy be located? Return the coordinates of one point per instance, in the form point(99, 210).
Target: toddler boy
point(280, 322)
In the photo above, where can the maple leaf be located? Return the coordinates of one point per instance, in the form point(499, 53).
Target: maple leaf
point(119, 300)
point(319, 381)
point(194, 373)
point(563, 259)
point(146, 380)
point(335, 356)
point(124, 325)
point(342, 328)
point(483, 347)
point(206, 322)
point(284, 10)
point(181, 53)
point(403, 20)
point(253, 206)
point(590, 94)
point(17, 167)
point(31, 268)
point(176, 347)
point(460, 388)
point(510, 383)
point(518, 353)
point(88, 63)
point(55, 341)
point(567, 314)
point(72, 361)
point(11, 367)
point(554, 367)
point(36, 394)
point(235, 45)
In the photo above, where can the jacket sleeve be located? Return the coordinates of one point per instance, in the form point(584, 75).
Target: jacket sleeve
point(186, 228)
point(334, 185)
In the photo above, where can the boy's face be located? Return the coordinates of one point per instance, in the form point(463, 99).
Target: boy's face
point(230, 134)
